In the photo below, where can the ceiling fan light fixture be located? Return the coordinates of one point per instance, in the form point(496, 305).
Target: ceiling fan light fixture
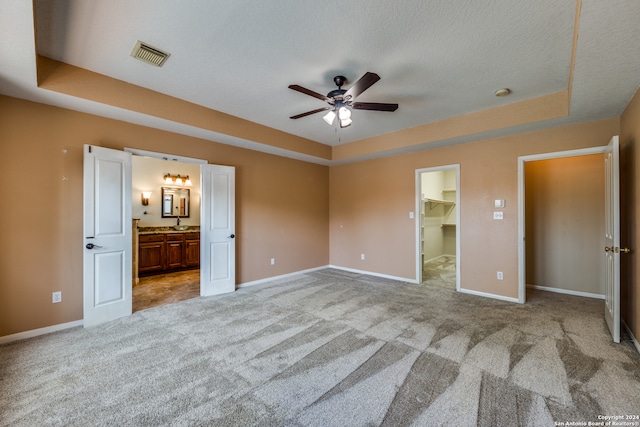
point(345, 122)
point(344, 113)
point(329, 117)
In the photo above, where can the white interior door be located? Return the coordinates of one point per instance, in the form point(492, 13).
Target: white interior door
point(612, 238)
point(217, 230)
point(107, 234)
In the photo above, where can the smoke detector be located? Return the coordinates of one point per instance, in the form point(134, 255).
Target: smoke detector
point(149, 54)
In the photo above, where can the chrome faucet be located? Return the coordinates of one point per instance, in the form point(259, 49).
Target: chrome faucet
point(178, 216)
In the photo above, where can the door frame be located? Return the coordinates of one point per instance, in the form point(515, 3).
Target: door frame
point(173, 158)
point(522, 256)
point(418, 220)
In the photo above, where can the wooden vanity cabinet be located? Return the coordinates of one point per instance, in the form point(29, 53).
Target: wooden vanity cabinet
point(151, 253)
point(175, 247)
point(164, 252)
point(192, 250)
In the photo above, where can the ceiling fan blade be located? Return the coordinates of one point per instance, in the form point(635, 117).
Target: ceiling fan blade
point(361, 85)
point(309, 92)
point(377, 106)
point(308, 113)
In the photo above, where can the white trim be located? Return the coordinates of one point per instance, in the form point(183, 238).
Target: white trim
point(488, 295)
point(164, 156)
point(41, 331)
point(633, 338)
point(282, 276)
point(566, 291)
point(522, 286)
point(310, 270)
point(370, 273)
point(417, 219)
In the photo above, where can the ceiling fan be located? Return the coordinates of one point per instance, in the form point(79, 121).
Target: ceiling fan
point(341, 101)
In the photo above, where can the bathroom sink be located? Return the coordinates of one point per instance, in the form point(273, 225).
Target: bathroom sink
point(180, 227)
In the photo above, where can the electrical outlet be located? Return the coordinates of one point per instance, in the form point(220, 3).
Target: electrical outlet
point(362, 257)
point(56, 297)
point(273, 261)
point(499, 275)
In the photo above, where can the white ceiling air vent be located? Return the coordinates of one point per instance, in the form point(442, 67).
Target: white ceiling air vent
point(149, 54)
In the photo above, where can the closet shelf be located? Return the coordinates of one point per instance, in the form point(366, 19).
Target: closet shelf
point(448, 190)
point(434, 202)
point(448, 226)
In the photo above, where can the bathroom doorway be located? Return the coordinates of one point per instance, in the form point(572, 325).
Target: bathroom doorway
point(438, 202)
point(166, 246)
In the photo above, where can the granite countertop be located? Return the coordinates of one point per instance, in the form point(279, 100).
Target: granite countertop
point(165, 230)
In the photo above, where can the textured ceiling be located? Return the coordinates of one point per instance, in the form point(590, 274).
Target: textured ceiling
point(437, 59)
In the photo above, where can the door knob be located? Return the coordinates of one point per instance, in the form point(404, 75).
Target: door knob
point(91, 246)
point(232, 236)
point(625, 250)
point(607, 249)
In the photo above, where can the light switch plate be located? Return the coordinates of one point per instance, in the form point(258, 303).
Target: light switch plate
point(498, 204)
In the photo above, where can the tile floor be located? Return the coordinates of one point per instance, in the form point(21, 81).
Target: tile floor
point(167, 288)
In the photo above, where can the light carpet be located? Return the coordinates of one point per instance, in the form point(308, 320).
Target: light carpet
point(328, 348)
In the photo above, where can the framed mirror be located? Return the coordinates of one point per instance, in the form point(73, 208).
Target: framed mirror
point(175, 202)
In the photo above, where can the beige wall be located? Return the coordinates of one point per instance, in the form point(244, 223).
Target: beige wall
point(371, 201)
point(281, 207)
point(629, 195)
point(302, 214)
point(565, 223)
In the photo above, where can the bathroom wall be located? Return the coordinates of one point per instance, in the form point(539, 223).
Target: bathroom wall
point(148, 175)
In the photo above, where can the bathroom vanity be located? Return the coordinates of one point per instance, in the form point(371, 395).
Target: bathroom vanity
point(163, 249)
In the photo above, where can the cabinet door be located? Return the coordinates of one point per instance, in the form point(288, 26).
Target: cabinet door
point(175, 244)
point(151, 257)
point(192, 253)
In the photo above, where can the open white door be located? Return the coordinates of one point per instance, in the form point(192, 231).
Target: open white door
point(107, 234)
point(217, 230)
point(612, 238)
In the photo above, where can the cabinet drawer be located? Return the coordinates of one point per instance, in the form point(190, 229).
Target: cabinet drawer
point(192, 236)
point(144, 238)
point(175, 237)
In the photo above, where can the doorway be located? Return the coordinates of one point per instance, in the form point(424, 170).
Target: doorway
point(565, 219)
point(166, 255)
point(438, 202)
point(109, 232)
point(523, 222)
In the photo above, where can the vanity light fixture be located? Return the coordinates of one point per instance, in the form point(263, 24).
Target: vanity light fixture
point(146, 195)
point(177, 180)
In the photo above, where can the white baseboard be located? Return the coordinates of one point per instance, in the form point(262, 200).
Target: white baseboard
point(282, 276)
point(41, 331)
point(488, 295)
point(370, 273)
point(566, 291)
point(633, 338)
